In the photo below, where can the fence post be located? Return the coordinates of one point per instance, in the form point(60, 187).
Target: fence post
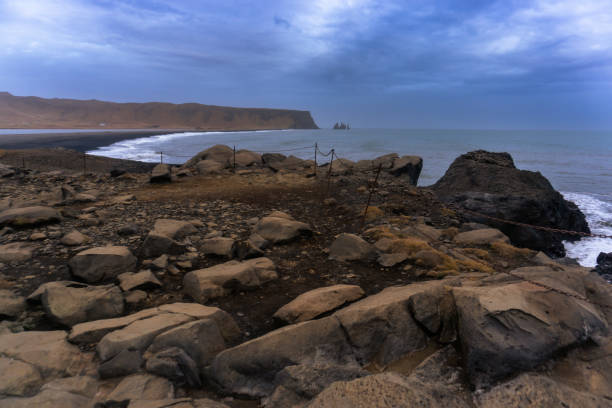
point(331, 162)
point(84, 163)
point(315, 166)
point(234, 158)
point(161, 157)
point(365, 212)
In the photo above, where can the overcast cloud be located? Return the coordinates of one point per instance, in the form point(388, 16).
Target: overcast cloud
point(445, 64)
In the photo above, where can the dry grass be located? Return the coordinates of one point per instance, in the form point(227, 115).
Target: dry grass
point(510, 251)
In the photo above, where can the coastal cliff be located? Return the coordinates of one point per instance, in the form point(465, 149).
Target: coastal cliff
point(29, 112)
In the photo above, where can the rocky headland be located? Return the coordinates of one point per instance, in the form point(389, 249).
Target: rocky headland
point(269, 284)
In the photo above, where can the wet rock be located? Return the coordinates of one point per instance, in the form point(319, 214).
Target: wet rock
point(481, 237)
point(316, 302)
point(141, 280)
point(161, 173)
point(278, 230)
point(28, 216)
point(11, 305)
point(489, 183)
point(15, 252)
point(176, 365)
point(219, 280)
point(511, 327)
point(102, 263)
point(224, 247)
point(350, 247)
point(69, 303)
point(74, 238)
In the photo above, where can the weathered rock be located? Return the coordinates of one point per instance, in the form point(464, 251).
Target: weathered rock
point(141, 280)
point(38, 236)
point(280, 230)
point(314, 303)
point(382, 328)
point(127, 362)
point(176, 365)
point(209, 167)
point(422, 231)
point(533, 390)
point(219, 280)
point(297, 384)
point(69, 303)
point(177, 403)
point(201, 339)
point(481, 237)
point(350, 247)
point(102, 263)
point(228, 327)
point(219, 246)
point(389, 260)
point(11, 305)
point(28, 216)
point(6, 171)
point(604, 265)
point(92, 332)
point(511, 327)
point(161, 262)
point(74, 238)
point(50, 398)
point(156, 244)
point(18, 378)
point(138, 335)
point(15, 252)
point(161, 173)
point(217, 153)
point(140, 387)
point(48, 351)
point(245, 158)
point(289, 163)
point(410, 166)
point(129, 229)
point(250, 367)
point(272, 157)
point(175, 229)
point(134, 297)
point(489, 183)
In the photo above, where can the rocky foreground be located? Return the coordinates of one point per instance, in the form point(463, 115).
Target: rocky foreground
point(209, 286)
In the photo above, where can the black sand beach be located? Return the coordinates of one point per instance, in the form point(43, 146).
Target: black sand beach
point(81, 141)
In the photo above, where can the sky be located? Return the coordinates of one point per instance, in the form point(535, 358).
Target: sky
point(506, 64)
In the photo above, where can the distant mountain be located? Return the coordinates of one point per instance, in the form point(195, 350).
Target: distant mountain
point(29, 112)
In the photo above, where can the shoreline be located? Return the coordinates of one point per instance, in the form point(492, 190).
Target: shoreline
point(86, 141)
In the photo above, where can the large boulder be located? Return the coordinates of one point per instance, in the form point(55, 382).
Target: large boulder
point(18, 378)
point(485, 236)
point(163, 239)
point(351, 247)
point(604, 265)
point(28, 216)
point(209, 167)
point(219, 280)
point(410, 166)
point(508, 327)
point(490, 184)
point(280, 228)
point(316, 302)
point(102, 263)
point(69, 303)
point(162, 173)
point(218, 153)
point(15, 252)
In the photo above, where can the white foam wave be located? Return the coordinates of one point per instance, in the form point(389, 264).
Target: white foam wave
point(599, 216)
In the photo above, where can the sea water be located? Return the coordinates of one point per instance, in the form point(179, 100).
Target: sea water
point(577, 163)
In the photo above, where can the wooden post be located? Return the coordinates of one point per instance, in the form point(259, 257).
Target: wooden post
point(315, 166)
point(331, 162)
point(84, 163)
point(365, 212)
point(161, 157)
point(234, 158)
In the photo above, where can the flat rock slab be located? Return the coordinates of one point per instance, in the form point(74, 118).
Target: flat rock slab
point(279, 230)
point(481, 237)
point(101, 263)
point(28, 216)
point(219, 246)
point(314, 303)
point(141, 280)
point(350, 247)
point(140, 387)
point(175, 229)
point(15, 252)
point(18, 378)
point(48, 351)
point(217, 281)
point(69, 303)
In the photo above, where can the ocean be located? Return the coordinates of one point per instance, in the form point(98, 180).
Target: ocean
point(577, 163)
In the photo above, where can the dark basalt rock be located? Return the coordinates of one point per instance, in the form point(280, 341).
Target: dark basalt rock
point(490, 184)
point(604, 265)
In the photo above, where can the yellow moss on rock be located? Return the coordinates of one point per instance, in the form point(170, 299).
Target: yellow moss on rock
point(374, 213)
